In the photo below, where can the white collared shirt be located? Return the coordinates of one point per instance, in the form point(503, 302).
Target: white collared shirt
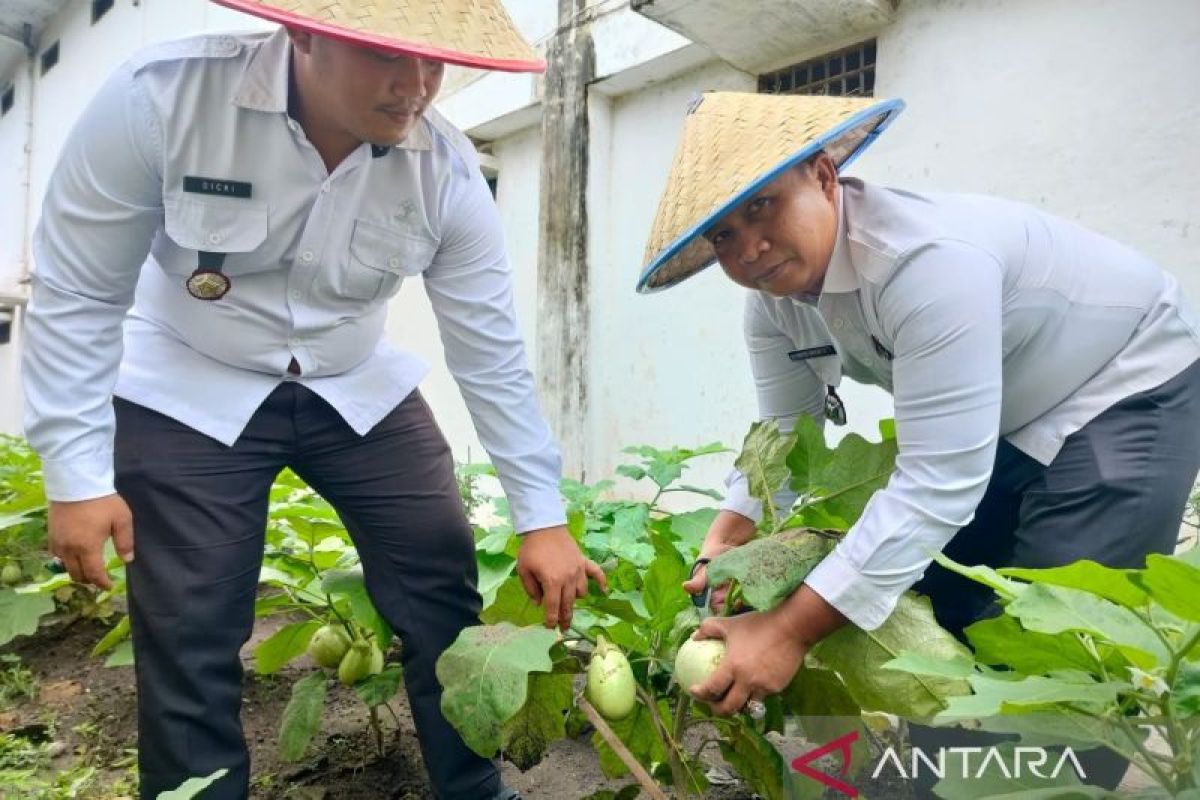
point(984, 318)
point(313, 259)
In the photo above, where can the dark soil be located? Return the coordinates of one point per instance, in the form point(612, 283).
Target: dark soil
point(90, 711)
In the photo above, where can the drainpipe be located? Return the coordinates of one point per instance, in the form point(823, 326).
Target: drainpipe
point(12, 302)
point(27, 181)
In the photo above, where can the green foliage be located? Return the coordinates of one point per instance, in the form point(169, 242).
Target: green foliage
point(1090, 657)
point(835, 485)
point(858, 656)
point(1082, 655)
point(768, 570)
point(486, 675)
point(192, 787)
point(31, 593)
point(302, 717)
point(26, 772)
point(17, 681)
point(20, 613)
point(646, 553)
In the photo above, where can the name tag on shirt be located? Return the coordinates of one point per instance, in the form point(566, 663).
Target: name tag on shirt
point(217, 186)
point(812, 352)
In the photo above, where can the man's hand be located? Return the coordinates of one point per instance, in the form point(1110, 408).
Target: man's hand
point(554, 570)
point(728, 530)
point(78, 530)
point(764, 649)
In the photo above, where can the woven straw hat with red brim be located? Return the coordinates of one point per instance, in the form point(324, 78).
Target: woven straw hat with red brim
point(733, 144)
point(470, 33)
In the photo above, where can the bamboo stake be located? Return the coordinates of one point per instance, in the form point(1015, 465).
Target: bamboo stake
point(621, 750)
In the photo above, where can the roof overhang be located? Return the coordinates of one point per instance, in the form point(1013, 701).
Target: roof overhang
point(21, 26)
point(769, 34)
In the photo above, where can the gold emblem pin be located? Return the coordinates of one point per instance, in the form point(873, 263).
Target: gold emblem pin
point(208, 284)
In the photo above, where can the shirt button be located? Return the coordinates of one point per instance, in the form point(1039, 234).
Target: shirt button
point(296, 294)
point(839, 323)
point(324, 187)
point(394, 262)
point(214, 238)
point(306, 256)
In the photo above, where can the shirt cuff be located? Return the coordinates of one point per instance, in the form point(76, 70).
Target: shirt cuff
point(536, 510)
point(738, 499)
point(79, 478)
point(850, 592)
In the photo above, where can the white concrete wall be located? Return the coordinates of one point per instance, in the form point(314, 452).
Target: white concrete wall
point(1089, 110)
point(667, 369)
point(410, 319)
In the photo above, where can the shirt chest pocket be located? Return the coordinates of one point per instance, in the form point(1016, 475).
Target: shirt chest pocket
point(236, 231)
point(380, 259)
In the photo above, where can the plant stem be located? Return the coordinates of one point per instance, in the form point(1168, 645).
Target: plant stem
point(679, 771)
point(1163, 778)
point(635, 768)
point(1179, 738)
point(377, 728)
point(395, 718)
point(582, 634)
point(649, 659)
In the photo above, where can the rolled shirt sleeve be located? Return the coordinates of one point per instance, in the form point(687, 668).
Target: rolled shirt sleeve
point(470, 289)
point(942, 308)
point(102, 206)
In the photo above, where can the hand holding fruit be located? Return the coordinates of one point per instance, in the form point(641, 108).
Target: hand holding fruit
point(726, 667)
point(786, 632)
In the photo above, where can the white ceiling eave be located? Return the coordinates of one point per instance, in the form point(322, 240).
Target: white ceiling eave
point(21, 26)
point(768, 34)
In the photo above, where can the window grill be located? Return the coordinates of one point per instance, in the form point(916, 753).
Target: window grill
point(846, 72)
point(49, 58)
point(100, 8)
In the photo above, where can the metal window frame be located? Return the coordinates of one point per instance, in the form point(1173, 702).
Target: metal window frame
point(51, 53)
point(818, 75)
point(100, 8)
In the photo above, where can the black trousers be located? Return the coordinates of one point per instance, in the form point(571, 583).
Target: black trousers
point(1114, 494)
point(199, 512)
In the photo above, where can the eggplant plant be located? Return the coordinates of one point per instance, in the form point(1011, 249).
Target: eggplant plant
point(312, 571)
point(510, 684)
point(30, 593)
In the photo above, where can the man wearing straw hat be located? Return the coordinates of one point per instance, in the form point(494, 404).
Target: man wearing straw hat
point(256, 200)
point(1046, 379)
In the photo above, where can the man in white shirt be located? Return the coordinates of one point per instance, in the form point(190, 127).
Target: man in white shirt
point(1046, 379)
point(253, 202)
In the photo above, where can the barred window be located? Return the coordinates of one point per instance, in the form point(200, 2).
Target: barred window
point(49, 58)
point(850, 71)
point(100, 8)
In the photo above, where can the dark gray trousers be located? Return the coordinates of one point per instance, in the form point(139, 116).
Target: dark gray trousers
point(199, 514)
point(1114, 494)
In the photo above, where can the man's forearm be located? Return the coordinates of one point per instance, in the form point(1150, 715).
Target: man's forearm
point(808, 616)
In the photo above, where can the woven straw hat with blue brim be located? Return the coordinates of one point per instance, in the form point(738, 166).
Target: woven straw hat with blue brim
point(733, 144)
